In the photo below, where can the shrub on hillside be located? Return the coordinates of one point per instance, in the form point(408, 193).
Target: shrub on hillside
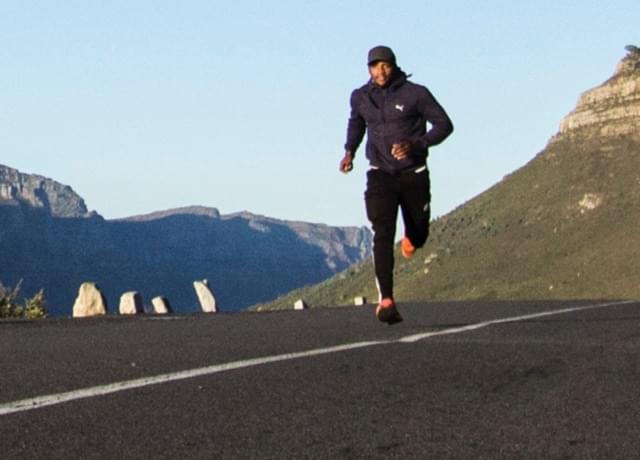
point(31, 309)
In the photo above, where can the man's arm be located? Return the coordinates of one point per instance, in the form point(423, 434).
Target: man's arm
point(432, 112)
point(356, 128)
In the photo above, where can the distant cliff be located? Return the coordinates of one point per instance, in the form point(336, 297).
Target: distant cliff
point(610, 109)
point(49, 239)
point(39, 192)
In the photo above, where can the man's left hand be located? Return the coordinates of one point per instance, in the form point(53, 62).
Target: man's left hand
point(400, 150)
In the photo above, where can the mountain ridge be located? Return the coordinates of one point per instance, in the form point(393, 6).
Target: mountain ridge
point(41, 192)
point(50, 240)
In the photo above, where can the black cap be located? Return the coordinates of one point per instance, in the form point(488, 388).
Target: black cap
point(381, 53)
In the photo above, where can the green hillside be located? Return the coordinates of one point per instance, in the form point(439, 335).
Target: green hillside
point(564, 226)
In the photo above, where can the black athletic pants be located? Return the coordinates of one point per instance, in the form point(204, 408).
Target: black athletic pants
point(385, 193)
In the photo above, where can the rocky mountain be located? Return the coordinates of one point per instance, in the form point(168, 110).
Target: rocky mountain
point(609, 110)
point(563, 226)
point(50, 240)
point(41, 193)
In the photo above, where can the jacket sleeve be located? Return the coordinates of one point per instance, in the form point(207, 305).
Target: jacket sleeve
point(356, 125)
point(433, 113)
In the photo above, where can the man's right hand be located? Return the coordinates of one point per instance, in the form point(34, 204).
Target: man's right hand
point(346, 164)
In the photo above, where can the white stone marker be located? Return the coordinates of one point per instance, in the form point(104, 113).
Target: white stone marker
point(205, 296)
point(359, 301)
point(90, 301)
point(161, 305)
point(300, 305)
point(131, 303)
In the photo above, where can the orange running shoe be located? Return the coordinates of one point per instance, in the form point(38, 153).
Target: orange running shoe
point(407, 248)
point(387, 311)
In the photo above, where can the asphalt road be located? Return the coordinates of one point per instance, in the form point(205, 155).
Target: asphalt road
point(451, 381)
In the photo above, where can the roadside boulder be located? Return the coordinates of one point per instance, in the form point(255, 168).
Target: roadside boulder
point(205, 296)
point(161, 305)
point(300, 304)
point(359, 301)
point(131, 303)
point(90, 301)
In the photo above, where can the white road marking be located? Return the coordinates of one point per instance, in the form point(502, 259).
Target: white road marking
point(100, 390)
point(473, 327)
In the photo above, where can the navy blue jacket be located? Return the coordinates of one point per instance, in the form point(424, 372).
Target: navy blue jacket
point(398, 112)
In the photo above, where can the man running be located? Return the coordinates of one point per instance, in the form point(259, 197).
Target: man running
point(394, 113)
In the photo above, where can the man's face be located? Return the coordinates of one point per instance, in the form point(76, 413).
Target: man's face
point(381, 72)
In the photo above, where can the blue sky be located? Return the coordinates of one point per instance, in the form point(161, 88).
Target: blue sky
point(149, 105)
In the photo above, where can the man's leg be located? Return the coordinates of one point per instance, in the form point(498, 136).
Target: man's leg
point(382, 210)
point(415, 202)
